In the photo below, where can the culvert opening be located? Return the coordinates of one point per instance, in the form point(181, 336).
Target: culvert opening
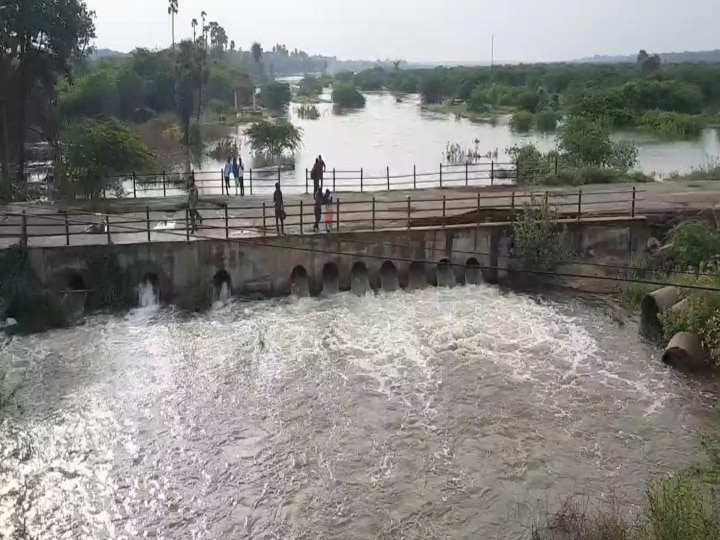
point(149, 290)
point(473, 274)
point(389, 281)
point(417, 278)
point(330, 278)
point(76, 283)
point(360, 282)
point(222, 286)
point(299, 282)
point(445, 274)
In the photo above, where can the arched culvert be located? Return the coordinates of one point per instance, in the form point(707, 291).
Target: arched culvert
point(299, 283)
point(222, 286)
point(359, 279)
point(417, 277)
point(473, 274)
point(330, 278)
point(445, 275)
point(149, 290)
point(389, 281)
point(76, 282)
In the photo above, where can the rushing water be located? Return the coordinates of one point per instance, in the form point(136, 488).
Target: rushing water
point(399, 135)
point(442, 413)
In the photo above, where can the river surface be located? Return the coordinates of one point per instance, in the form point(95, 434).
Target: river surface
point(386, 134)
point(442, 413)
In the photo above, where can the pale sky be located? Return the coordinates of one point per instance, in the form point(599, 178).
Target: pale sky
point(426, 30)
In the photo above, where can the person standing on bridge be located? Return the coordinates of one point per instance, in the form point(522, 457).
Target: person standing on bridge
point(235, 173)
point(317, 205)
point(279, 209)
point(321, 170)
point(193, 198)
point(227, 172)
point(315, 175)
point(240, 179)
point(329, 214)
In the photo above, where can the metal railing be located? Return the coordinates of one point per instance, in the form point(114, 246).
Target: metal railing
point(359, 213)
point(262, 180)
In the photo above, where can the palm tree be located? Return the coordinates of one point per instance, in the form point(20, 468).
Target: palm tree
point(232, 45)
point(172, 11)
point(194, 24)
point(204, 29)
point(256, 51)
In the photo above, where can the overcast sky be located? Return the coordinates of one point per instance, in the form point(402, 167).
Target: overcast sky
point(426, 30)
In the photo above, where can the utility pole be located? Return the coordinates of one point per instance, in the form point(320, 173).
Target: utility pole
point(492, 52)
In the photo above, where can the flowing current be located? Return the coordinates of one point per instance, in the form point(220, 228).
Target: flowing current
point(442, 413)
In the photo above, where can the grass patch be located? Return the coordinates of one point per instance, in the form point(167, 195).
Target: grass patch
point(671, 125)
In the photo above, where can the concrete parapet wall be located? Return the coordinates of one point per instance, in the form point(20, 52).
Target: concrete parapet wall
point(256, 265)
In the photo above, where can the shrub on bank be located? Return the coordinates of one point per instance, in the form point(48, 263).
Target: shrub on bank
point(522, 121)
point(671, 125)
point(347, 96)
point(546, 121)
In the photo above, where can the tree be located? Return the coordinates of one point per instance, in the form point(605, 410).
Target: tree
point(274, 138)
point(172, 11)
point(347, 96)
point(194, 24)
point(276, 96)
point(584, 142)
point(232, 45)
point(188, 77)
point(96, 153)
point(38, 42)
point(204, 28)
point(256, 52)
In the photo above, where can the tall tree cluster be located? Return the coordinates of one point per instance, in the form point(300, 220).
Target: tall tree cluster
point(39, 40)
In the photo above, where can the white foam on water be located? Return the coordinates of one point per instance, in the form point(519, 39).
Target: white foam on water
point(147, 297)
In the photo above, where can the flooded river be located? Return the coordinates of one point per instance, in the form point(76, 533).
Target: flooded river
point(442, 413)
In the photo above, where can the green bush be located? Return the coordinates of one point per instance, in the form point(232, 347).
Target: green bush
point(671, 125)
point(522, 121)
point(276, 96)
point(692, 243)
point(546, 121)
point(538, 242)
point(347, 96)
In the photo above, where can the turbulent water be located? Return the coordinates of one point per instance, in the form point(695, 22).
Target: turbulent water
point(442, 413)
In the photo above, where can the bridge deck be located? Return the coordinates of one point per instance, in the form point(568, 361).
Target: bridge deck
point(129, 218)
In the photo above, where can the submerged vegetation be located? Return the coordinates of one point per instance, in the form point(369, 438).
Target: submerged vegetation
point(347, 97)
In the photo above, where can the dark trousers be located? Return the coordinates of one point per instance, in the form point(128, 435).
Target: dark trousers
point(318, 215)
point(227, 185)
point(194, 214)
point(279, 221)
point(242, 186)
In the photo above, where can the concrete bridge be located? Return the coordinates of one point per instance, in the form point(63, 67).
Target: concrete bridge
point(321, 263)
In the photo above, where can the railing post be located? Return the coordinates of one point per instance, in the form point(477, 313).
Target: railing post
point(517, 170)
point(441, 175)
point(337, 214)
point(134, 189)
point(107, 229)
point(264, 220)
point(373, 213)
point(492, 173)
point(478, 209)
point(67, 229)
point(222, 182)
point(250, 181)
point(387, 171)
point(466, 173)
point(409, 207)
point(632, 212)
point(556, 165)
point(579, 203)
point(443, 216)
point(147, 222)
point(278, 174)
point(164, 186)
point(187, 224)
point(23, 231)
point(306, 181)
point(361, 179)
point(333, 179)
point(227, 222)
point(512, 206)
point(414, 178)
point(301, 217)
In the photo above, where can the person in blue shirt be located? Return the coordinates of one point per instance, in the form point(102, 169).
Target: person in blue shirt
point(228, 173)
